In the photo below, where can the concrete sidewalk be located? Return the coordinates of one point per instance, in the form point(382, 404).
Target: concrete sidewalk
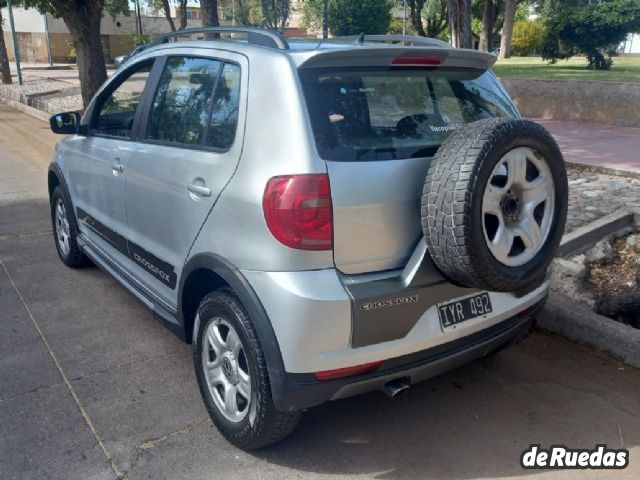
point(598, 145)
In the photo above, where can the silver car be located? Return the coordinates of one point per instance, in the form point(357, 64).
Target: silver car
point(318, 219)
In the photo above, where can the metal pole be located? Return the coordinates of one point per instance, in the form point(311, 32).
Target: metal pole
point(404, 19)
point(233, 12)
point(46, 32)
point(16, 48)
point(325, 19)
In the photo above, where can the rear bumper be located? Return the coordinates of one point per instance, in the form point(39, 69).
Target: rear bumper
point(302, 390)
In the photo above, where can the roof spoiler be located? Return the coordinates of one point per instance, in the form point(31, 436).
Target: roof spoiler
point(388, 55)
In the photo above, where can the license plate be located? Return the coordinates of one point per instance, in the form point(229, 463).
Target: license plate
point(453, 313)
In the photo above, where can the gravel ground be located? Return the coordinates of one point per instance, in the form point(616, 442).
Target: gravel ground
point(594, 195)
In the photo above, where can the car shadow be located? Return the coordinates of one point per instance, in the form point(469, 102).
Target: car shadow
point(470, 423)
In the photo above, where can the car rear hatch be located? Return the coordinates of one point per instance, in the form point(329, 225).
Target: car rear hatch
point(378, 114)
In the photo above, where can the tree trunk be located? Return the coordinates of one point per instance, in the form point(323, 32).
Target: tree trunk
point(453, 22)
point(460, 23)
point(183, 14)
point(209, 13)
point(415, 11)
point(167, 14)
point(5, 71)
point(84, 25)
point(486, 36)
point(507, 28)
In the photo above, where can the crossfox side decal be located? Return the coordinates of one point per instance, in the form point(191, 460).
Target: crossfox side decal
point(153, 265)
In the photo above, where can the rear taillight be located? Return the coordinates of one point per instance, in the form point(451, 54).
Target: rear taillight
point(348, 371)
point(298, 211)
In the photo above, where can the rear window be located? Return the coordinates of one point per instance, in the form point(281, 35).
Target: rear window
point(362, 115)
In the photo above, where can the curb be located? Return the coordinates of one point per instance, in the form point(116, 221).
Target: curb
point(34, 112)
point(579, 324)
point(604, 170)
point(587, 235)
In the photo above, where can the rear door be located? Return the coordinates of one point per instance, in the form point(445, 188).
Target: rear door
point(377, 128)
point(189, 146)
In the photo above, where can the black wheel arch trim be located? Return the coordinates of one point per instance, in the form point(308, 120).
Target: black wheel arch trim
point(264, 330)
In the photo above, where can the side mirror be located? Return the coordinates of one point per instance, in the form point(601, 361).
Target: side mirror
point(67, 123)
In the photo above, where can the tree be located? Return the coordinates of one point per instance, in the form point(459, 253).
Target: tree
point(435, 13)
point(166, 8)
point(507, 28)
point(527, 37)
point(209, 13)
point(460, 23)
point(182, 8)
point(5, 71)
point(488, 19)
point(591, 29)
point(347, 17)
point(82, 18)
point(275, 14)
point(415, 16)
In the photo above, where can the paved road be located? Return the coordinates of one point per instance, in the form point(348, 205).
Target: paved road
point(91, 387)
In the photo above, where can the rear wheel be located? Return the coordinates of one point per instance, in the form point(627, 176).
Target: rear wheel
point(232, 375)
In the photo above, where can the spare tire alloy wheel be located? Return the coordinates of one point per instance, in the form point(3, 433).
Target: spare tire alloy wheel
point(518, 207)
point(494, 204)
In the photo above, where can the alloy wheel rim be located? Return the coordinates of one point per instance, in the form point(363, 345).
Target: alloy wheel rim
point(62, 227)
point(226, 370)
point(518, 207)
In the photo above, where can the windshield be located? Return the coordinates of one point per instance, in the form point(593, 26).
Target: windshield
point(367, 114)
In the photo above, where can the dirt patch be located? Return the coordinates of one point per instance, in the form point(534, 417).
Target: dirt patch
point(618, 275)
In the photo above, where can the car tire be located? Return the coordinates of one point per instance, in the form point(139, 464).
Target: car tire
point(230, 364)
point(494, 204)
point(65, 230)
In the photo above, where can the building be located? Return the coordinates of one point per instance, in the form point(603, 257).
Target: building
point(37, 33)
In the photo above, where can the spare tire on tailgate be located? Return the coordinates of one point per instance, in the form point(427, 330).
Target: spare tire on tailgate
point(494, 204)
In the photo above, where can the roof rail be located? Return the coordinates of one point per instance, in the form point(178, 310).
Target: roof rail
point(255, 36)
point(405, 39)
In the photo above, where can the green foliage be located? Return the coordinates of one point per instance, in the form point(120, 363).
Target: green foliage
point(347, 17)
point(527, 37)
point(366, 16)
point(395, 27)
point(580, 27)
point(58, 8)
point(272, 14)
point(135, 39)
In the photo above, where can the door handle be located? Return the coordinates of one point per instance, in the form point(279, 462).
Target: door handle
point(200, 190)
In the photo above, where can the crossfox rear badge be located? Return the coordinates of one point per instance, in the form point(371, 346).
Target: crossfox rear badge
point(394, 302)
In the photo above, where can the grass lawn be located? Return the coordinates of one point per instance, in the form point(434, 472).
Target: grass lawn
point(626, 68)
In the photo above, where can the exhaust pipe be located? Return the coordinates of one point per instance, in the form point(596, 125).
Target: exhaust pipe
point(395, 387)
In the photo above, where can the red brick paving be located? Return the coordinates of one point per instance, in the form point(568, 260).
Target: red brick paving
point(597, 144)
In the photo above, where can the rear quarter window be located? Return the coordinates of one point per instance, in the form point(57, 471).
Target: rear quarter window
point(369, 114)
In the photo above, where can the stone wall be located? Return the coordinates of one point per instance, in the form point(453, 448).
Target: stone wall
point(613, 103)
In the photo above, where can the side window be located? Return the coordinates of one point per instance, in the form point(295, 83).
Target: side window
point(224, 116)
point(182, 104)
point(116, 111)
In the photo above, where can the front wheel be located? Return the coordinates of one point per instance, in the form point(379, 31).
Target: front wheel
point(65, 230)
point(232, 375)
